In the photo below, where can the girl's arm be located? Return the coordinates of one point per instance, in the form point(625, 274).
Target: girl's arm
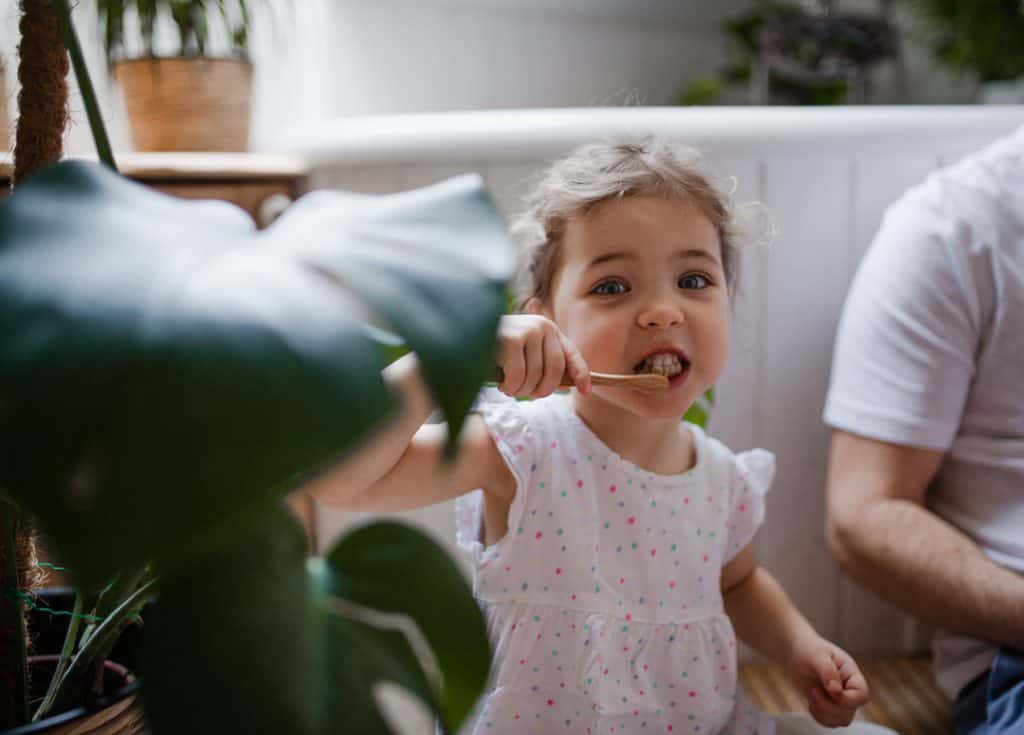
point(402, 467)
point(760, 610)
point(766, 620)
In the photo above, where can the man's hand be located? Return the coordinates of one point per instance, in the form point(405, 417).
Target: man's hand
point(830, 681)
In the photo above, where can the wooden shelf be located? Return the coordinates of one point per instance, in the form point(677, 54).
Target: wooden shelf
point(261, 183)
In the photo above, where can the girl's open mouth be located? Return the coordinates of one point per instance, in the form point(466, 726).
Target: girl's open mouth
point(671, 365)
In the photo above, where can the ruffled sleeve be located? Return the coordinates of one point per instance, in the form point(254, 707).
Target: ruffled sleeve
point(507, 422)
point(752, 476)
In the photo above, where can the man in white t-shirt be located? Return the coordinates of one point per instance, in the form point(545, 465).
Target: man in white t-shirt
point(926, 473)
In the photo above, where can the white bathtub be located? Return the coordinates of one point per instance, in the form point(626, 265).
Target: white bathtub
point(825, 174)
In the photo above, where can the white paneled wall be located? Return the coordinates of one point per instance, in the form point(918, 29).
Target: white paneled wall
point(825, 175)
point(396, 56)
point(322, 59)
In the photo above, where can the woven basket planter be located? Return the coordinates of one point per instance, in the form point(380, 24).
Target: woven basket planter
point(187, 104)
point(117, 713)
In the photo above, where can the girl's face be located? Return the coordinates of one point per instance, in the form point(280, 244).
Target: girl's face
point(641, 288)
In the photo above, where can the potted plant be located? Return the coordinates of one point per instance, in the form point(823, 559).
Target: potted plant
point(982, 37)
point(790, 54)
point(189, 101)
point(167, 374)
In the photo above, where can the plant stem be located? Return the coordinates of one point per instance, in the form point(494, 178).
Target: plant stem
point(92, 108)
point(12, 622)
point(70, 639)
point(99, 643)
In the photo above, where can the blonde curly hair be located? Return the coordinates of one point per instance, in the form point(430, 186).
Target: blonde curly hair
point(596, 172)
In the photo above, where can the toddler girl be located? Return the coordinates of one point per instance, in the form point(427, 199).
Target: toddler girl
point(610, 541)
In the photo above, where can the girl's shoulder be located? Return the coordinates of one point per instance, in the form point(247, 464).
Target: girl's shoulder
point(741, 480)
point(751, 468)
point(528, 415)
point(523, 429)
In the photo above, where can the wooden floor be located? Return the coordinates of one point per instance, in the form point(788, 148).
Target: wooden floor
point(903, 695)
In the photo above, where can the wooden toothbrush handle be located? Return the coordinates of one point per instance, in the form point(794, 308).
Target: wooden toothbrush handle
point(647, 381)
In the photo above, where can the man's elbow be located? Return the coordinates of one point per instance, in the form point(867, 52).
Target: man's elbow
point(843, 534)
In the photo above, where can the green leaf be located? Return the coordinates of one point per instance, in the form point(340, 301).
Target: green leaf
point(394, 568)
point(361, 657)
point(982, 36)
point(166, 369)
point(440, 315)
point(696, 415)
point(235, 643)
point(700, 411)
point(73, 683)
point(701, 91)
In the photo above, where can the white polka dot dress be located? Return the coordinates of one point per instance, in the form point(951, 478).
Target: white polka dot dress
point(603, 599)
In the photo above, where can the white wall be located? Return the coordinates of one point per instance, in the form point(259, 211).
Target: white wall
point(318, 59)
point(323, 59)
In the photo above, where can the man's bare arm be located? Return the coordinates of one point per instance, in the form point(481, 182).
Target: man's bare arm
point(883, 536)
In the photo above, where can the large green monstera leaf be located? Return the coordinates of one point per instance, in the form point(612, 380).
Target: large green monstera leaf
point(167, 373)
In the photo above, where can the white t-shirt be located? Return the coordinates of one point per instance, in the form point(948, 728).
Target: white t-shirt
point(930, 353)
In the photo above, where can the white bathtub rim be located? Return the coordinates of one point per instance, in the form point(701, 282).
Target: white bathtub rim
point(539, 134)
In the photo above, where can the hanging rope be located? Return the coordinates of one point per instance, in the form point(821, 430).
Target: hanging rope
point(43, 100)
point(27, 575)
point(42, 116)
point(29, 601)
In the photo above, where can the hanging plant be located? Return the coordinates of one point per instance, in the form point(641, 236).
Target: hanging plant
point(984, 37)
point(191, 18)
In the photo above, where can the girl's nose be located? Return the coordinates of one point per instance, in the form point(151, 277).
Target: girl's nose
point(660, 315)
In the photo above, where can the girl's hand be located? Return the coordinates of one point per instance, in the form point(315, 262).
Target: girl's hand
point(535, 355)
point(831, 682)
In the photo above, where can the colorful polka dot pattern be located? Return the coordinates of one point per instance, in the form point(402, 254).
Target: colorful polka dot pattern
point(603, 597)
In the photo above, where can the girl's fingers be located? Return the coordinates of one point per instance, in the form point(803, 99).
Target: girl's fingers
point(513, 363)
point(575, 365)
point(534, 355)
point(554, 367)
point(834, 688)
point(827, 712)
point(851, 675)
point(828, 673)
point(855, 689)
point(855, 692)
point(853, 698)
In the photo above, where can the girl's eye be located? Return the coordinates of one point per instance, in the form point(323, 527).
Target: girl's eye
point(610, 288)
point(694, 281)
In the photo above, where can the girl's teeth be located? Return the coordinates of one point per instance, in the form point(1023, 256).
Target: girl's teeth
point(663, 364)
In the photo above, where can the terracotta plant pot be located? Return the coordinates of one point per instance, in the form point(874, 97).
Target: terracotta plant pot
point(187, 104)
